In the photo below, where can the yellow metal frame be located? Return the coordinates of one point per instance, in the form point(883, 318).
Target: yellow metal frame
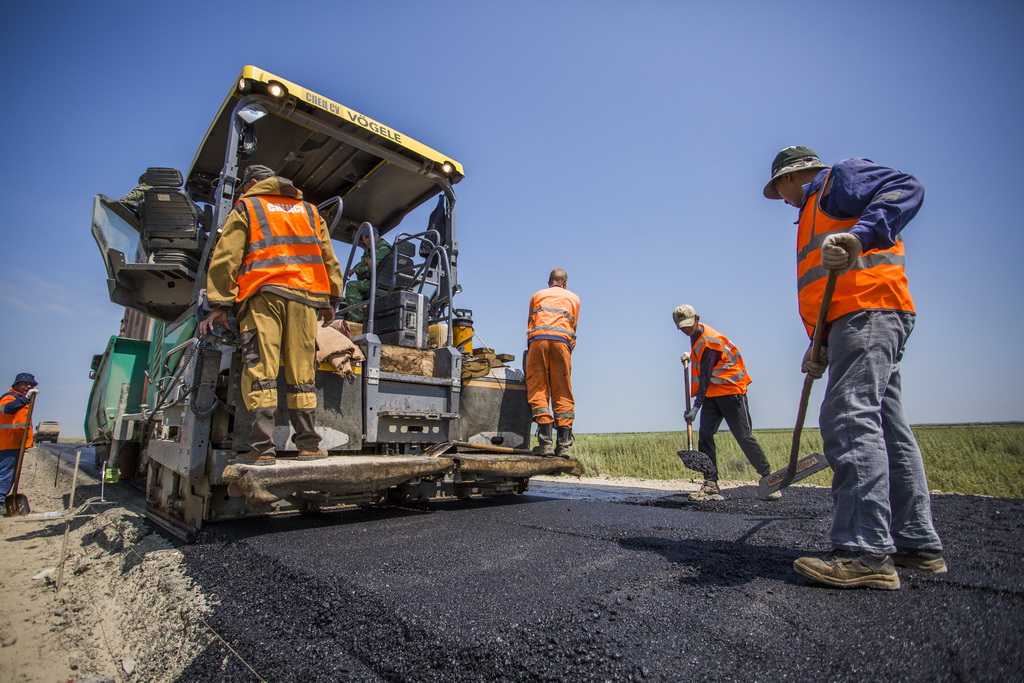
point(345, 114)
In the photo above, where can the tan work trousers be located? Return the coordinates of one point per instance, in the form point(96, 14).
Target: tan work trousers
point(274, 329)
point(549, 381)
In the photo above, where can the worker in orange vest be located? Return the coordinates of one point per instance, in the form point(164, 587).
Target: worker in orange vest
point(275, 267)
point(851, 218)
point(14, 420)
point(551, 337)
point(718, 380)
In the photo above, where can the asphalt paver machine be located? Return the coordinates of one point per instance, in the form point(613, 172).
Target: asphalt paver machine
point(165, 408)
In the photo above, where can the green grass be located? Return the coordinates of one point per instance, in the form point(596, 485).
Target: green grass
point(985, 459)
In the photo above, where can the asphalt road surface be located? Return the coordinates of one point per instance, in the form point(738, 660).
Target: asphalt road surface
point(540, 588)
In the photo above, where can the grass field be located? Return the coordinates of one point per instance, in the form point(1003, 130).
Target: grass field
point(983, 459)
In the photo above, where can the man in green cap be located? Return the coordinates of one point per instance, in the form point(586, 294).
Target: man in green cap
point(851, 217)
point(358, 290)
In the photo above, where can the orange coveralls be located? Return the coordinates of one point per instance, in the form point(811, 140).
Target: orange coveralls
point(551, 335)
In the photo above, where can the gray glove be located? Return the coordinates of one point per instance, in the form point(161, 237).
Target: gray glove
point(692, 415)
point(31, 392)
point(685, 358)
point(815, 368)
point(839, 251)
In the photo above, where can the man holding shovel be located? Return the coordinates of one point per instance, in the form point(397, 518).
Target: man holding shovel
point(14, 420)
point(851, 216)
point(719, 382)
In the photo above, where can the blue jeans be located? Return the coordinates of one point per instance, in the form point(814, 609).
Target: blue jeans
point(879, 487)
point(8, 459)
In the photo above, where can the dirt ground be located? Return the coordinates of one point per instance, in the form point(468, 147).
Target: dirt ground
point(72, 592)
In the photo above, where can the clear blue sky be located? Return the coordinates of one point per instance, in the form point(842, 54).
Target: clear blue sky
point(625, 142)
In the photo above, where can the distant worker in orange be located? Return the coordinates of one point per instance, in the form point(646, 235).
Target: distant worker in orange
point(551, 337)
point(274, 265)
point(718, 382)
point(14, 420)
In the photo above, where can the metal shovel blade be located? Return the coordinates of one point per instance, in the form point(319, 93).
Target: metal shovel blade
point(17, 505)
point(805, 467)
point(695, 460)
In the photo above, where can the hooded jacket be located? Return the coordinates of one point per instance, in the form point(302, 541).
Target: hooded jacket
point(222, 288)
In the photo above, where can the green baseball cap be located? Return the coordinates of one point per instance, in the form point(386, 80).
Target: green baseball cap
point(257, 172)
point(795, 158)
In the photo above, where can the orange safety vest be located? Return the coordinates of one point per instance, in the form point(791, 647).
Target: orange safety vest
point(554, 313)
point(729, 376)
point(12, 427)
point(284, 246)
point(876, 281)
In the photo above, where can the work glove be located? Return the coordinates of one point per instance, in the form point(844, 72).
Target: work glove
point(31, 392)
point(685, 358)
point(815, 368)
point(839, 251)
point(691, 415)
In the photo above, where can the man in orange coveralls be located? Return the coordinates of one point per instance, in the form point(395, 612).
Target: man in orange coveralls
point(551, 337)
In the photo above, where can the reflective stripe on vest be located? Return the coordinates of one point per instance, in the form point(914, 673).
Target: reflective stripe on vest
point(729, 376)
point(12, 427)
point(553, 313)
point(284, 247)
point(877, 279)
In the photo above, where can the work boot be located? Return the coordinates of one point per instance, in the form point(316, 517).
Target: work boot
point(305, 437)
point(254, 458)
point(845, 569)
point(925, 560)
point(564, 442)
point(544, 441)
point(708, 491)
point(317, 454)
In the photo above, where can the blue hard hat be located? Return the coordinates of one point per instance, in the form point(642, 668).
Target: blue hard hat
point(26, 377)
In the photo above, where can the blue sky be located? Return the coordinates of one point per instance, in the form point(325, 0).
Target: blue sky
point(625, 142)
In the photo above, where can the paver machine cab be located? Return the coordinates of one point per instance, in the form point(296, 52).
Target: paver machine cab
point(165, 406)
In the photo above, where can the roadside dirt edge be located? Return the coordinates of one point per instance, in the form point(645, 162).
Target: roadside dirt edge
point(119, 579)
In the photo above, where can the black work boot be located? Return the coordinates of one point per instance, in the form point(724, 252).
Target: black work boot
point(564, 442)
point(544, 446)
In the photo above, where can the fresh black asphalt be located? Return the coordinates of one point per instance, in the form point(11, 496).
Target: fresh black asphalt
point(535, 588)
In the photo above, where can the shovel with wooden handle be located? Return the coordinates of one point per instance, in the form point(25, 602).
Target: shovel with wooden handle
point(692, 459)
point(815, 462)
point(17, 503)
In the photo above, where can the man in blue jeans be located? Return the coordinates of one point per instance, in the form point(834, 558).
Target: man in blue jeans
point(851, 217)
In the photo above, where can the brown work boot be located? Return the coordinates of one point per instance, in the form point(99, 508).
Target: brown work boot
point(545, 442)
point(845, 569)
point(254, 458)
point(925, 560)
point(317, 454)
point(708, 491)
